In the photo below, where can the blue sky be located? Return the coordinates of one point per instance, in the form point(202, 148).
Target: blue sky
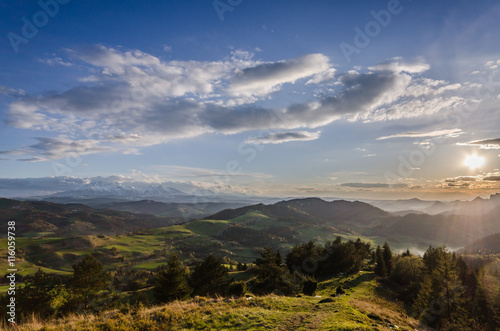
point(372, 99)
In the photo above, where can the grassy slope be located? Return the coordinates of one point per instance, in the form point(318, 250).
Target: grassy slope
point(350, 312)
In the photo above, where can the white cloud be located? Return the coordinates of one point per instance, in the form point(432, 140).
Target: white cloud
point(193, 173)
point(56, 60)
point(493, 143)
point(133, 99)
point(398, 65)
point(324, 77)
point(57, 148)
point(492, 65)
point(266, 78)
point(412, 134)
point(282, 137)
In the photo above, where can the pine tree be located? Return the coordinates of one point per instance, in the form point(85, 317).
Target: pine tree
point(209, 277)
point(452, 293)
point(483, 305)
point(424, 297)
point(272, 274)
point(440, 300)
point(88, 275)
point(171, 282)
point(387, 255)
point(380, 269)
point(406, 253)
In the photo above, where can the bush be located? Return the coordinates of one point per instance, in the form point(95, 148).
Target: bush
point(407, 270)
point(237, 289)
point(310, 287)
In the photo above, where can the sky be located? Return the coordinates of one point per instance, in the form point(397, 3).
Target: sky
point(349, 99)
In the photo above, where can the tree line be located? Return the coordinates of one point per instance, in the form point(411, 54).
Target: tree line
point(442, 290)
point(439, 288)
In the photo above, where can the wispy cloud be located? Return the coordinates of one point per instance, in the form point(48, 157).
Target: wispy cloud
point(489, 180)
point(56, 148)
point(282, 137)
point(413, 134)
point(182, 172)
point(483, 144)
point(373, 185)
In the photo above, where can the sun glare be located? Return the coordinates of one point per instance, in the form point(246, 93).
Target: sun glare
point(473, 161)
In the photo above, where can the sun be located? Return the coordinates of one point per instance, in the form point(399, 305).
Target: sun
point(473, 161)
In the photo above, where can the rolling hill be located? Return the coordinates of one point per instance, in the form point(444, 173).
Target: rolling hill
point(489, 244)
point(55, 235)
point(40, 218)
point(185, 211)
point(314, 210)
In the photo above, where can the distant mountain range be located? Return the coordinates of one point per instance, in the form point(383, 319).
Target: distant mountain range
point(118, 190)
point(411, 230)
point(454, 224)
point(476, 207)
point(98, 194)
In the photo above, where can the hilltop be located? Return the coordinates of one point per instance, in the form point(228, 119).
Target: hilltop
point(365, 306)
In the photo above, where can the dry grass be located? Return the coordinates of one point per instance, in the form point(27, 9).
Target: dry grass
point(350, 312)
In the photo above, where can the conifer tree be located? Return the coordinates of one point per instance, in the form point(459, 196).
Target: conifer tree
point(387, 255)
point(483, 304)
point(440, 300)
point(380, 269)
point(209, 277)
point(171, 282)
point(271, 274)
point(88, 275)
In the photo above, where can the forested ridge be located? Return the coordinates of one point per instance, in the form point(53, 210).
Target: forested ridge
point(441, 289)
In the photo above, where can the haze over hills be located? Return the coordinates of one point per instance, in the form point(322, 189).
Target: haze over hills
point(477, 206)
point(489, 244)
point(102, 192)
point(417, 222)
point(415, 230)
point(237, 233)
